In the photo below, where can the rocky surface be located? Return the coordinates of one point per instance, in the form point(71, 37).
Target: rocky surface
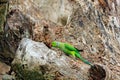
point(56, 11)
point(34, 55)
point(91, 25)
point(17, 26)
point(3, 69)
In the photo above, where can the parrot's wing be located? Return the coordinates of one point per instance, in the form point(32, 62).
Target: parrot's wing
point(80, 50)
point(70, 47)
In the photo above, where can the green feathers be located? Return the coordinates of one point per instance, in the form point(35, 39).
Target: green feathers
point(65, 45)
point(54, 44)
point(69, 50)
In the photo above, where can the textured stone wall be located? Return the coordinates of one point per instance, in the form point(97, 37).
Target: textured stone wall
point(91, 25)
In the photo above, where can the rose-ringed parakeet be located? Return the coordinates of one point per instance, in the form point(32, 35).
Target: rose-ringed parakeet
point(69, 50)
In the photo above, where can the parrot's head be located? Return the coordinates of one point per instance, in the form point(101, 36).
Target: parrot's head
point(54, 44)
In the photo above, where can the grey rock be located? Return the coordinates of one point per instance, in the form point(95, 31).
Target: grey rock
point(35, 54)
point(8, 77)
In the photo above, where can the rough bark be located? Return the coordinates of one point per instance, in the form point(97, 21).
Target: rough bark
point(14, 26)
point(91, 25)
point(34, 55)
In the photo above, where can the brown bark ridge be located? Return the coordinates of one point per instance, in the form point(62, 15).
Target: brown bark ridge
point(91, 25)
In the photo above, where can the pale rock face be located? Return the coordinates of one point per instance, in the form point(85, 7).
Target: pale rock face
point(90, 28)
point(32, 53)
point(56, 11)
point(35, 54)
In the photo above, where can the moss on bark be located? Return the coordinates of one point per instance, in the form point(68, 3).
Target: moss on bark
point(23, 73)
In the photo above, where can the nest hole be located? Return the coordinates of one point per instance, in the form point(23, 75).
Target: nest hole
point(97, 72)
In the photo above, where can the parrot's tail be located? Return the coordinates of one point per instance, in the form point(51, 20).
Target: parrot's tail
point(84, 60)
point(87, 62)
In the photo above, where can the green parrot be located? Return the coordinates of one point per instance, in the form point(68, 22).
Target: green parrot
point(69, 50)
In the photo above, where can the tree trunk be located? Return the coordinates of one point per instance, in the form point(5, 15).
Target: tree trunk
point(91, 25)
